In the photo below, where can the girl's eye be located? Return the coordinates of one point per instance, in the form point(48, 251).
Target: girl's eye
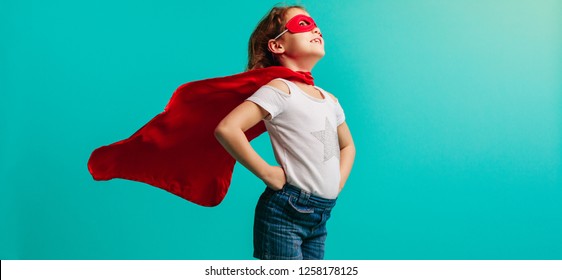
point(303, 23)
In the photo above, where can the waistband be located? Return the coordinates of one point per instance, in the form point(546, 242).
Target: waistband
point(307, 198)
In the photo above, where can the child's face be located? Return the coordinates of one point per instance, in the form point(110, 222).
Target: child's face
point(303, 44)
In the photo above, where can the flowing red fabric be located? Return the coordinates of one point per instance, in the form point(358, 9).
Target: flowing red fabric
point(177, 150)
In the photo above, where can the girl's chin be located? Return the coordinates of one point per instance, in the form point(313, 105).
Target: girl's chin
point(320, 54)
point(317, 52)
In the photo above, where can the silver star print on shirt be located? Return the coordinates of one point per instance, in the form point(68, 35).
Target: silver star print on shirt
point(328, 137)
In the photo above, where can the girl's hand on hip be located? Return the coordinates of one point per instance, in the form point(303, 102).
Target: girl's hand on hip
point(275, 178)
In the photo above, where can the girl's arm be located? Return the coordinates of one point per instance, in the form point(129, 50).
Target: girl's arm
point(347, 152)
point(230, 133)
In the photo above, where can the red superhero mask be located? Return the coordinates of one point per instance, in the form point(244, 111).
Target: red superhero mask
point(298, 24)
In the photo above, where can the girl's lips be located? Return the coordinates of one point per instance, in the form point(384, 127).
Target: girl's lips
point(316, 40)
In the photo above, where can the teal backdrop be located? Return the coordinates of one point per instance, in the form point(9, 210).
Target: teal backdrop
point(455, 108)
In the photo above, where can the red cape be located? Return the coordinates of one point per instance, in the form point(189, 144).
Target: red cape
point(177, 150)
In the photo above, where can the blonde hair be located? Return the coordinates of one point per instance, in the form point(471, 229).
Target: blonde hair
point(269, 26)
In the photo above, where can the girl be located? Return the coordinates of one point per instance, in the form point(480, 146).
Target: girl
point(311, 141)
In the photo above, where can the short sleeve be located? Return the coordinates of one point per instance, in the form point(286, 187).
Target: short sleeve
point(270, 99)
point(340, 115)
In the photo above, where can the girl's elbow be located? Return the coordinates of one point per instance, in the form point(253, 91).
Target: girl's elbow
point(224, 129)
point(350, 148)
point(220, 130)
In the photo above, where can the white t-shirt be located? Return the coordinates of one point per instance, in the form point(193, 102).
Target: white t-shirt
point(303, 133)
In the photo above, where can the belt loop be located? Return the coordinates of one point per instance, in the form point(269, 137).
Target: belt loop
point(304, 197)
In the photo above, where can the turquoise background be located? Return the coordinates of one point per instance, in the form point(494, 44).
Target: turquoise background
point(454, 107)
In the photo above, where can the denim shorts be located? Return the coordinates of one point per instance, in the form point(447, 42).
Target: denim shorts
point(290, 224)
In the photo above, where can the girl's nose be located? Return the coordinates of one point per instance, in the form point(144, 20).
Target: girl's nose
point(317, 30)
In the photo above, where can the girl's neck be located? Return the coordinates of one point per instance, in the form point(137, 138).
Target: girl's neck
point(304, 66)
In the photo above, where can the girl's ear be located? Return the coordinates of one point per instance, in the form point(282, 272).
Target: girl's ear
point(275, 47)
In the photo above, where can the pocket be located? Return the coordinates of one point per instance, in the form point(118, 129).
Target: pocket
point(266, 195)
point(293, 202)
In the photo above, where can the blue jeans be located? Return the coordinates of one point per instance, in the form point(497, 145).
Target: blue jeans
point(290, 224)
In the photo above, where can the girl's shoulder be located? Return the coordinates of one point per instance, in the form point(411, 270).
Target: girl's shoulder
point(280, 85)
point(330, 94)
